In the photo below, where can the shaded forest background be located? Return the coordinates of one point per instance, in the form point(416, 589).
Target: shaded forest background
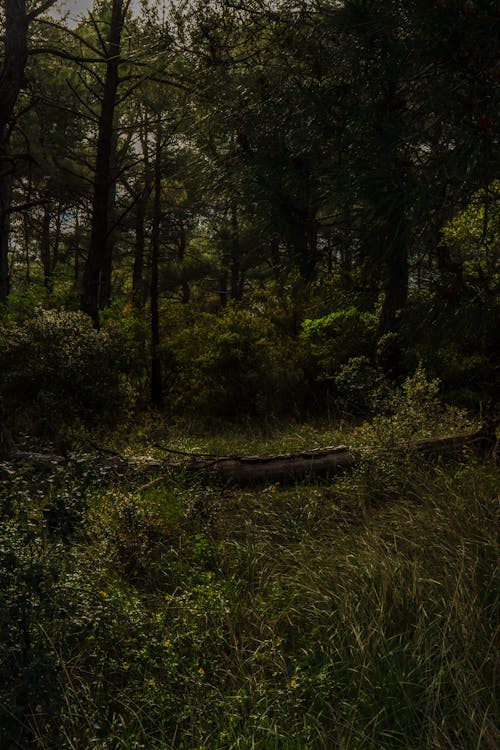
point(247, 209)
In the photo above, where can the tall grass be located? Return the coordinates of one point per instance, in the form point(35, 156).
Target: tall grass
point(351, 615)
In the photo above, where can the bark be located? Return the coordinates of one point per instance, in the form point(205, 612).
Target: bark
point(107, 260)
point(98, 264)
point(285, 468)
point(5, 200)
point(56, 245)
point(395, 282)
point(236, 286)
point(45, 248)
point(15, 57)
point(138, 286)
point(77, 252)
point(305, 243)
point(156, 378)
point(27, 237)
point(261, 470)
point(223, 281)
point(346, 267)
point(11, 82)
point(181, 254)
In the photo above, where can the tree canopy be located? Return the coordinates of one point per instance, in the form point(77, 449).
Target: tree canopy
point(335, 153)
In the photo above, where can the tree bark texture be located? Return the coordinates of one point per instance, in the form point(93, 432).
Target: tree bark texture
point(139, 290)
point(236, 285)
point(156, 379)
point(284, 468)
point(97, 274)
point(11, 82)
point(181, 256)
point(5, 200)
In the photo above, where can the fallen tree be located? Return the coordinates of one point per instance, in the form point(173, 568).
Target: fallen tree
point(283, 467)
point(253, 470)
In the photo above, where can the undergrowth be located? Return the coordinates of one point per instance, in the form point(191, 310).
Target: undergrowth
point(166, 613)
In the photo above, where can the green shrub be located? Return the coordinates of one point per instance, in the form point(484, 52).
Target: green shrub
point(232, 365)
point(412, 410)
point(335, 338)
point(467, 378)
point(459, 346)
point(30, 676)
point(56, 368)
point(361, 387)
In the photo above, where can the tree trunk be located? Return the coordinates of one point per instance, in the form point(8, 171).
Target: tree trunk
point(268, 469)
point(98, 263)
point(236, 287)
point(156, 379)
point(181, 254)
point(223, 280)
point(305, 244)
point(45, 248)
point(11, 81)
point(5, 200)
point(107, 261)
point(138, 291)
point(396, 275)
point(57, 245)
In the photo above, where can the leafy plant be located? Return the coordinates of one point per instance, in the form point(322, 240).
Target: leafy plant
point(336, 338)
point(232, 365)
point(56, 367)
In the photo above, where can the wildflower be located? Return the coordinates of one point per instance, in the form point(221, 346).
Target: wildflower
point(126, 667)
point(201, 671)
point(167, 643)
point(103, 594)
point(294, 683)
point(279, 640)
point(159, 616)
point(168, 597)
point(152, 683)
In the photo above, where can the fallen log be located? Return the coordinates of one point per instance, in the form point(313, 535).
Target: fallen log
point(481, 442)
point(287, 468)
point(281, 468)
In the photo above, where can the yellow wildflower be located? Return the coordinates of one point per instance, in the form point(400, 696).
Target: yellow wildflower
point(294, 683)
point(126, 667)
point(167, 643)
point(201, 671)
point(103, 594)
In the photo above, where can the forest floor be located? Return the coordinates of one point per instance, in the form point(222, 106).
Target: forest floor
point(170, 612)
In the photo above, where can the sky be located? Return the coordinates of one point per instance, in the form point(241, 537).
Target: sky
point(76, 8)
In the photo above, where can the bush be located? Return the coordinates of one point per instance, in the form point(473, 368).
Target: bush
point(411, 410)
point(468, 379)
point(335, 338)
point(361, 387)
point(232, 365)
point(30, 676)
point(56, 368)
point(459, 345)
